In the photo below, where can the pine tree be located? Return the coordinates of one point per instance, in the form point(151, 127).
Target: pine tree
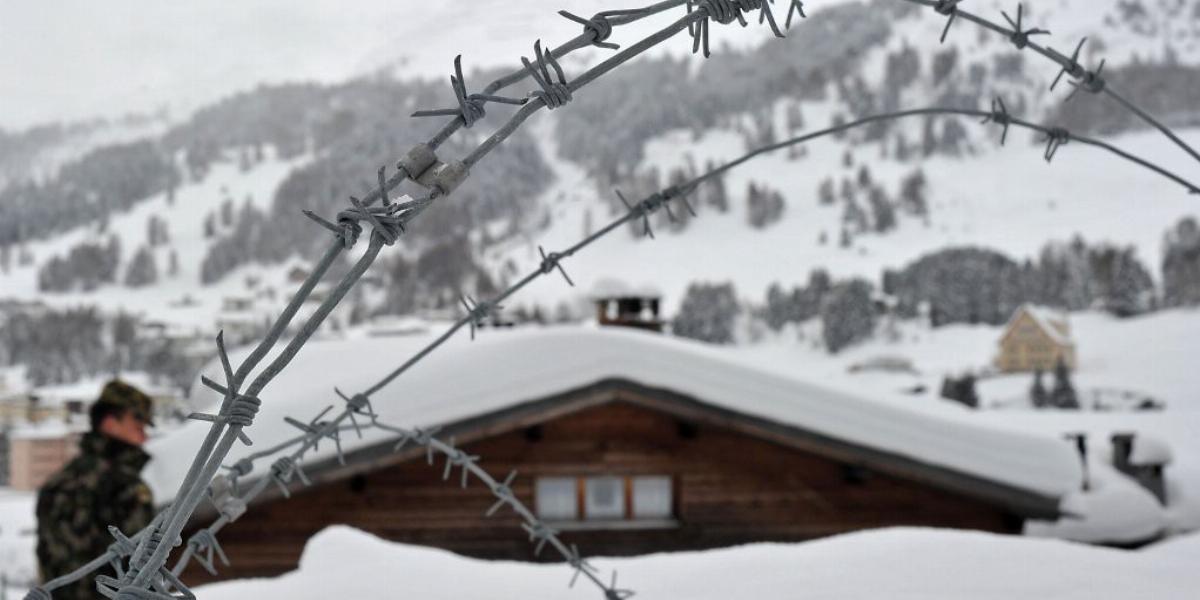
point(227, 213)
point(1181, 264)
point(716, 193)
point(1063, 395)
point(854, 217)
point(1037, 393)
point(142, 270)
point(847, 315)
point(928, 138)
point(707, 313)
point(864, 177)
point(913, 192)
point(764, 206)
point(882, 211)
point(825, 193)
point(902, 152)
point(795, 119)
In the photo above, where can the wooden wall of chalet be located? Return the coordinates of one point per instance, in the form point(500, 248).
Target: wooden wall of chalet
point(729, 489)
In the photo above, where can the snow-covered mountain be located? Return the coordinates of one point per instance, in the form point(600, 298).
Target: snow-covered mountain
point(275, 150)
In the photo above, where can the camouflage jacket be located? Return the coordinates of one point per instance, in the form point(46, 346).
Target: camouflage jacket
point(100, 487)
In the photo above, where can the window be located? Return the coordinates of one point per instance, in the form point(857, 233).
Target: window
point(606, 500)
point(651, 497)
point(554, 499)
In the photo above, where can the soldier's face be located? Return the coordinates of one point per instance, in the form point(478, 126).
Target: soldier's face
point(127, 428)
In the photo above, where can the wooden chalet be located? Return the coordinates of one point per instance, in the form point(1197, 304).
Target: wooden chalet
point(1035, 339)
point(628, 443)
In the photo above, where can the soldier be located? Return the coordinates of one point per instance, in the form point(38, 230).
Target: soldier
point(100, 487)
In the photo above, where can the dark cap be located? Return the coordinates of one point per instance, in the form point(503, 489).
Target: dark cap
point(121, 394)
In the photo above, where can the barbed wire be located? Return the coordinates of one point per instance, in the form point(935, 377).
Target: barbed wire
point(1092, 81)
point(146, 577)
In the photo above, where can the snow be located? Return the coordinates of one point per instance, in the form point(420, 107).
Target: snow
point(1150, 356)
point(1114, 510)
point(508, 367)
point(52, 430)
point(900, 564)
point(88, 389)
point(185, 218)
point(618, 288)
point(17, 560)
point(1150, 451)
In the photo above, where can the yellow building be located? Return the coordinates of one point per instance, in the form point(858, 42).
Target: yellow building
point(1035, 338)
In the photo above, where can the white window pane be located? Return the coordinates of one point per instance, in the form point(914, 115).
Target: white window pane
point(605, 498)
point(555, 498)
point(652, 497)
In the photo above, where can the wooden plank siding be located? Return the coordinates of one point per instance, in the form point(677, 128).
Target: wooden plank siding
point(729, 488)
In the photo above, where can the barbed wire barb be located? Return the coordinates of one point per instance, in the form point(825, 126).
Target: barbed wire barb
point(1071, 65)
point(1020, 37)
point(470, 106)
point(948, 8)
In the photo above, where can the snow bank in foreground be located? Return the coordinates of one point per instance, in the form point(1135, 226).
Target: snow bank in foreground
point(922, 564)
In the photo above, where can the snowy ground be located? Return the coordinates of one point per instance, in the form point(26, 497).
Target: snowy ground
point(1152, 355)
point(898, 564)
point(17, 562)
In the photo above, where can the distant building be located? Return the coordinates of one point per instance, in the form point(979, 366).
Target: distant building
point(1035, 338)
point(24, 407)
point(36, 454)
point(625, 306)
point(240, 320)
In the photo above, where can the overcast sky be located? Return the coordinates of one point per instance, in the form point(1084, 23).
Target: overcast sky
point(75, 59)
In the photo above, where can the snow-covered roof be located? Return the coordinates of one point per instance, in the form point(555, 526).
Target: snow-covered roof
point(1148, 450)
point(504, 368)
point(88, 389)
point(616, 288)
point(1051, 321)
point(48, 431)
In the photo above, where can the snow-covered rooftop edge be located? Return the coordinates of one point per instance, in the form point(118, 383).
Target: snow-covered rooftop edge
point(500, 369)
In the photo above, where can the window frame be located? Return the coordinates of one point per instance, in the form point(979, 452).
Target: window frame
point(628, 519)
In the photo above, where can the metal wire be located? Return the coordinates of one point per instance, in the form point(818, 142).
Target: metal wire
point(1091, 81)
